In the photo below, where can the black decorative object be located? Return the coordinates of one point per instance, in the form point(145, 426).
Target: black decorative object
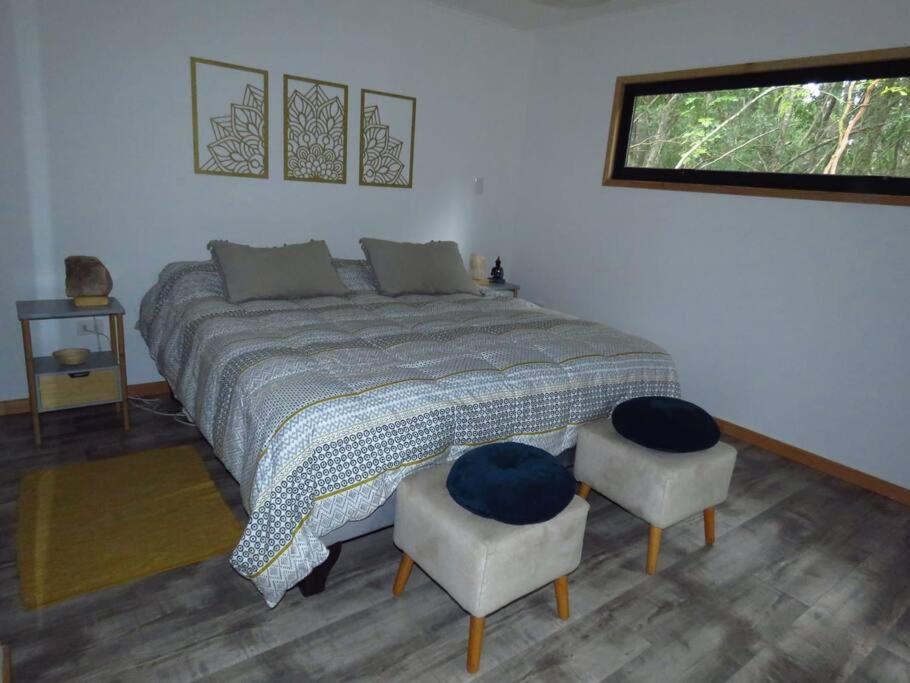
point(497, 276)
point(666, 424)
point(511, 482)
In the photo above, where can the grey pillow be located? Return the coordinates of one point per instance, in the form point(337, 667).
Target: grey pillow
point(293, 271)
point(410, 268)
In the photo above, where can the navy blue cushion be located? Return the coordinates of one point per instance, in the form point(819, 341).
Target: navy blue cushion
point(511, 483)
point(666, 424)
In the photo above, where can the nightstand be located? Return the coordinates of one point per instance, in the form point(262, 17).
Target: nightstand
point(99, 380)
point(503, 287)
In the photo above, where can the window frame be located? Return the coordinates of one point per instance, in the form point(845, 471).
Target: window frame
point(862, 189)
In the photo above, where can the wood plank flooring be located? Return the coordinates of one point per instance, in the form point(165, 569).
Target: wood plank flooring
point(809, 581)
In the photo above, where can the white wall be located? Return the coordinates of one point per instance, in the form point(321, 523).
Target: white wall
point(790, 317)
point(786, 316)
point(15, 261)
point(96, 138)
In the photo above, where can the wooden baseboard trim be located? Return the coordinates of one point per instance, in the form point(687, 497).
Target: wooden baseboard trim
point(18, 406)
point(14, 406)
point(816, 462)
point(149, 389)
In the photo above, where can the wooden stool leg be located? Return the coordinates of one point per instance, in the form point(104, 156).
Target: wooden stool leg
point(112, 329)
point(709, 526)
point(121, 361)
point(653, 548)
point(584, 490)
point(562, 597)
point(30, 372)
point(475, 643)
point(404, 573)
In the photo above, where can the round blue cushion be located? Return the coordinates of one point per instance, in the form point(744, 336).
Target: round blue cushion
point(666, 424)
point(511, 483)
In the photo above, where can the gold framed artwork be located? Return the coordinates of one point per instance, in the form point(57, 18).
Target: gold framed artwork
point(230, 119)
point(315, 130)
point(387, 139)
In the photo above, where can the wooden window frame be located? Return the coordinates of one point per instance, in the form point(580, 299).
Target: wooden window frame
point(616, 174)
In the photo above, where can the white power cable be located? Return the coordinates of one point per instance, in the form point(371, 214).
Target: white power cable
point(95, 329)
point(152, 405)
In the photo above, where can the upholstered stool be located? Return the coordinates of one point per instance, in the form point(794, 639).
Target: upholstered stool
point(482, 563)
point(661, 488)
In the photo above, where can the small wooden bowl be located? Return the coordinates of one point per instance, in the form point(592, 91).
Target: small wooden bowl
point(71, 356)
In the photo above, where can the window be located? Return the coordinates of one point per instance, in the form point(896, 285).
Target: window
point(835, 127)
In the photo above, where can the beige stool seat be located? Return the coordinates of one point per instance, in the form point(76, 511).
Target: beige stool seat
point(660, 488)
point(483, 564)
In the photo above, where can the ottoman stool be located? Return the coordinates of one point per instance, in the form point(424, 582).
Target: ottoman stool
point(482, 563)
point(659, 487)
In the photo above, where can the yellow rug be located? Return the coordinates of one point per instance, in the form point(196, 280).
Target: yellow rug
point(97, 524)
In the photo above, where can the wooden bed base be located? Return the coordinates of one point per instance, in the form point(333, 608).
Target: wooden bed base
point(314, 583)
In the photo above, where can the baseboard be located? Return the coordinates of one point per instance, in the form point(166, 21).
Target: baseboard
point(14, 406)
point(18, 406)
point(816, 462)
point(148, 389)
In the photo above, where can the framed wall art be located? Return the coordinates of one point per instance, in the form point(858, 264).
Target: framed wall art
point(386, 139)
point(315, 130)
point(230, 119)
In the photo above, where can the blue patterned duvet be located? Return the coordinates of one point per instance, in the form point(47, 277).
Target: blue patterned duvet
point(320, 407)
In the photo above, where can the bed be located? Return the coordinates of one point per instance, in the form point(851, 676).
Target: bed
point(320, 407)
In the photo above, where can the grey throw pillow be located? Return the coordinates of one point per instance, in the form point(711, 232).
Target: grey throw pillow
point(410, 268)
point(293, 271)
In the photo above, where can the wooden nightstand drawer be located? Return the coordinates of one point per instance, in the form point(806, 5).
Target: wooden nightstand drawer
point(76, 388)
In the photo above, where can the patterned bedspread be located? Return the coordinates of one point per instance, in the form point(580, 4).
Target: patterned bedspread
point(319, 407)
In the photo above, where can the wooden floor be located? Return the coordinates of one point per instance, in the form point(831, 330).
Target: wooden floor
point(809, 581)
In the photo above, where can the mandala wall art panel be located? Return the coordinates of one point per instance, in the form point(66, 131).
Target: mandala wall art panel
point(315, 130)
point(230, 119)
point(386, 139)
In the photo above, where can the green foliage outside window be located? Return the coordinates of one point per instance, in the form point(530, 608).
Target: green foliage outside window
point(855, 128)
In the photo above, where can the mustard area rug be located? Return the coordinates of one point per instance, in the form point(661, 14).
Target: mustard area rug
point(96, 524)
